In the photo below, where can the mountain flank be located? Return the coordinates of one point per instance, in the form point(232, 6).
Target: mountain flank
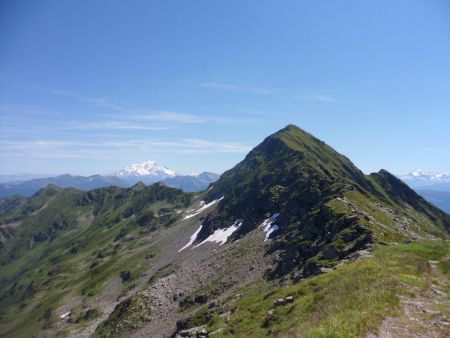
point(327, 207)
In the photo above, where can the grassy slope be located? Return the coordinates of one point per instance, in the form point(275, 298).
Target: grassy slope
point(99, 234)
point(348, 302)
point(14, 208)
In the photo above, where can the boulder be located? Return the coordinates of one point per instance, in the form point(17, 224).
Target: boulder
point(289, 299)
point(226, 316)
point(283, 301)
point(201, 299)
point(212, 334)
point(195, 332)
point(278, 302)
point(187, 302)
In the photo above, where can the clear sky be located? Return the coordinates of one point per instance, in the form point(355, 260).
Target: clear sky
point(91, 86)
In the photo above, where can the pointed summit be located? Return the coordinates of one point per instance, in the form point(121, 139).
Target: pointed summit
point(290, 169)
point(318, 196)
point(287, 156)
point(297, 139)
point(319, 156)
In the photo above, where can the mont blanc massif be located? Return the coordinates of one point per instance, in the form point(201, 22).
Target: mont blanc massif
point(294, 241)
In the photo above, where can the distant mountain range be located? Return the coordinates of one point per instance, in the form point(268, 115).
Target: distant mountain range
point(29, 188)
point(191, 183)
point(434, 186)
point(148, 172)
point(18, 178)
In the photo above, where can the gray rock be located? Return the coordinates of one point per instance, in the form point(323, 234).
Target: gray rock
point(278, 302)
point(289, 299)
point(226, 316)
point(201, 299)
point(216, 332)
point(283, 301)
point(197, 332)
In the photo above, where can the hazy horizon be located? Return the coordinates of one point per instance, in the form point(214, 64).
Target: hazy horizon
point(191, 173)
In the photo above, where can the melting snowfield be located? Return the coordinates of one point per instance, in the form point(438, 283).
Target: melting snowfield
point(203, 206)
point(221, 235)
point(192, 240)
point(269, 225)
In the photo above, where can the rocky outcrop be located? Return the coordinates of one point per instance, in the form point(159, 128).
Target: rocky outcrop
point(195, 332)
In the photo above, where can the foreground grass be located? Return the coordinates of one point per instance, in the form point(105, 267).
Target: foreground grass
point(347, 302)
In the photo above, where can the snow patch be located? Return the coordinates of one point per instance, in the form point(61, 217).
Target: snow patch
point(148, 168)
point(65, 315)
point(269, 225)
point(203, 206)
point(221, 235)
point(192, 240)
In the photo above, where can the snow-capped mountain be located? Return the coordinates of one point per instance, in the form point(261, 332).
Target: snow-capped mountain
point(147, 172)
point(427, 179)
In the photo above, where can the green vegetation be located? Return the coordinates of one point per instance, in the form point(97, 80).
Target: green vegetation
point(126, 316)
point(71, 243)
point(328, 208)
point(14, 208)
point(347, 302)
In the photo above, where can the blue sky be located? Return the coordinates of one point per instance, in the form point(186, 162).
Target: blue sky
point(90, 86)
